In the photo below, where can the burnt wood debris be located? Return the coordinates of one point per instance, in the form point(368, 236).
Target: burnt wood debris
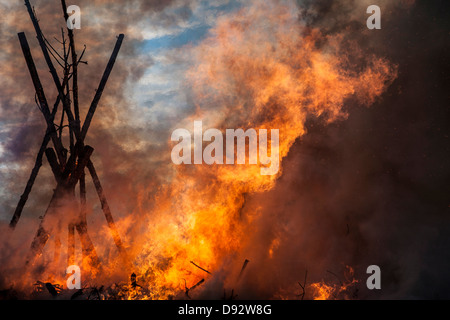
point(68, 165)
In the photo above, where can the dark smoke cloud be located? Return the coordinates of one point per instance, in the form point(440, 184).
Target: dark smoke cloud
point(372, 189)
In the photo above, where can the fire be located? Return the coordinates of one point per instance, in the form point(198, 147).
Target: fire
point(323, 291)
point(259, 68)
point(343, 290)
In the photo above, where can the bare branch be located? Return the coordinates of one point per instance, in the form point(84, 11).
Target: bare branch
point(200, 267)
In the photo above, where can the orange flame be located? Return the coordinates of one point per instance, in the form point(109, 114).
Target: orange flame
point(260, 68)
point(327, 291)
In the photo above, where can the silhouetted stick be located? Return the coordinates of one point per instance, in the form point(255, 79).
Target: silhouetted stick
point(106, 210)
point(82, 197)
point(41, 95)
point(197, 284)
point(81, 164)
point(44, 230)
point(186, 289)
point(34, 172)
point(87, 246)
point(334, 274)
point(101, 87)
point(243, 268)
point(232, 296)
point(52, 69)
point(39, 241)
point(51, 288)
point(77, 294)
point(303, 286)
point(93, 106)
point(51, 157)
point(71, 244)
point(63, 191)
point(74, 67)
point(50, 132)
point(200, 267)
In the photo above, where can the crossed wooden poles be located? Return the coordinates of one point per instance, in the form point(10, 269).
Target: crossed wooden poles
point(67, 171)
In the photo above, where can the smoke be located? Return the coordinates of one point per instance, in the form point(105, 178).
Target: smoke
point(113, 136)
point(371, 189)
point(261, 67)
point(357, 185)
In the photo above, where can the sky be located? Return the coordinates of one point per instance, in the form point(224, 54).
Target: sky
point(363, 118)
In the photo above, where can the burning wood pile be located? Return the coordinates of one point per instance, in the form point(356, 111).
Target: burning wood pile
point(204, 224)
point(68, 163)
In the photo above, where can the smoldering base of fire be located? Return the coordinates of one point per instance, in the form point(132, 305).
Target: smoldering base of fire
point(269, 159)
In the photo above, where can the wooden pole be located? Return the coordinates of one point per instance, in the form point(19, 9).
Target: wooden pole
point(41, 95)
point(83, 197)
point(64, 190)
point(107, 210)
point(93, 107)
point(101, 87)
point(43, 233)
point(52, 69)
point(67, 173)
point(49, 134)
point(71, 244)
point(34, 172)
point(56, 169)
point(74, 67)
